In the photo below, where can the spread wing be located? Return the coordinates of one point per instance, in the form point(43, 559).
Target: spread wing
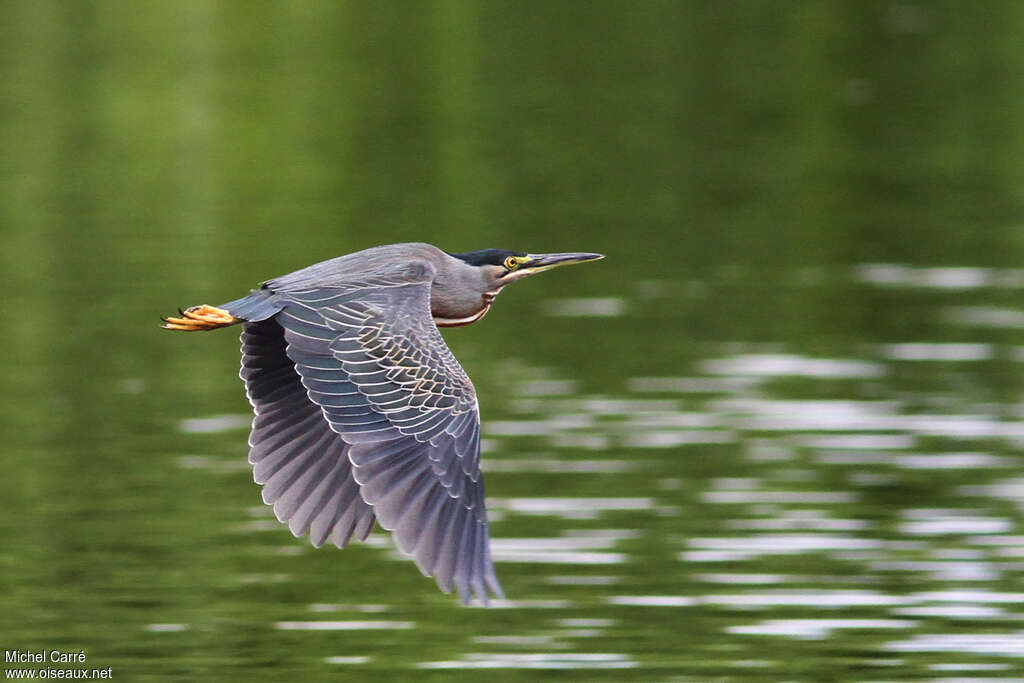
point(381, 377)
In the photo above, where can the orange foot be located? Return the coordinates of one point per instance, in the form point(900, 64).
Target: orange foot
point(200, 318)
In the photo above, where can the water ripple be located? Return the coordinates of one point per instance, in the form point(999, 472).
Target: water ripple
point(999, 644)
point(535, 661)
point(815, 629)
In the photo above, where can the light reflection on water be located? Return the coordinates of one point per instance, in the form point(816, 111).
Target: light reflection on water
point(651, 600)
point(787, 365)
point(166, 628)
point(816, 628)
point(216, 423)
point(1009, 644)
point(569, 508)
point(560, 466)
point(536, 661)
point(603, 307)
point(366, 608)
point(347, 660)
point(523, 604)
point(582, 580)
point(841, 433)
point(985, 316)
point(962, 277)
point(920, 461)
point(955, 612)
point(948, 352)
point(568, 549)
point(344, 625)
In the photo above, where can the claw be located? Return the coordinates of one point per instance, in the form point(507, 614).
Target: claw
point(198, 318)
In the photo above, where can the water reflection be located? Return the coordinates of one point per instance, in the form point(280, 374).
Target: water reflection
point(334, 607)
point(919, 461)
point(570, 548)
point(651, 600)
point(962, 277)
point(947, 352)
point(874, 436)
point(780, 509)
point(347, 660)
point(1009, 644)
point(975, 666)
point(582, 580)
point(594, 307)
point(955, 612)
point(816, 629)
point(166, 628)
point(536, 661)
point(216, 423)
point(815, 599)
point(555, 465)
point(783, 365)
point(521, 641)
point(344, 625)
point(985, 316)
point(523, 604)
point(569, 508)
point(787, 505)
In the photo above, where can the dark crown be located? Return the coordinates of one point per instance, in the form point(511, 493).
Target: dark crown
point(487, 257)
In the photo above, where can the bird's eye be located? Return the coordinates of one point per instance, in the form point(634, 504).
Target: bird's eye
point(511, 263)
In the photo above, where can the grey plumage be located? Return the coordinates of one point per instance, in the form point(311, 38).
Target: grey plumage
point(362, 413)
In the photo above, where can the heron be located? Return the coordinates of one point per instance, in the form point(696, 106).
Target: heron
point(362, 412)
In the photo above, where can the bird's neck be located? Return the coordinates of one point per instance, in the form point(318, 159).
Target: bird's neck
point(460, 318)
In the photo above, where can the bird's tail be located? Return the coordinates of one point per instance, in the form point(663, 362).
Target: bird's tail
point(258, 305)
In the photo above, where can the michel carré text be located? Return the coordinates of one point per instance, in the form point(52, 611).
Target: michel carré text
point(42, 656)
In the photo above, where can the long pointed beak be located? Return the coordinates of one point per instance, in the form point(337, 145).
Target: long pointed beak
point(539, 262)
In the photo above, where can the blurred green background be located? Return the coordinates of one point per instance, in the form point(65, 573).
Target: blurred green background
point(746, 166)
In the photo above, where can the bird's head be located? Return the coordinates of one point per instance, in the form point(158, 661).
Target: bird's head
point(500, 267)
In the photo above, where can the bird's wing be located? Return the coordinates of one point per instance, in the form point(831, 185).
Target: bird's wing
point(302, 465)
point(374, 362)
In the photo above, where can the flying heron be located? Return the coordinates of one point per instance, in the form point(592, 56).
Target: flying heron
point(362, 411)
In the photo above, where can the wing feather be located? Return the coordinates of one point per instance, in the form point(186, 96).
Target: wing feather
point(302, 464)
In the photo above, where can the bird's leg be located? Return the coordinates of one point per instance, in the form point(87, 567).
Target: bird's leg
point(201, 317)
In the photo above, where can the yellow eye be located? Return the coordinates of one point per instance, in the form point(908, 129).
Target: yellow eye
point(511, 263)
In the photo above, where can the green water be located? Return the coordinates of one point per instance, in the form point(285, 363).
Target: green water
point(775, 435)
